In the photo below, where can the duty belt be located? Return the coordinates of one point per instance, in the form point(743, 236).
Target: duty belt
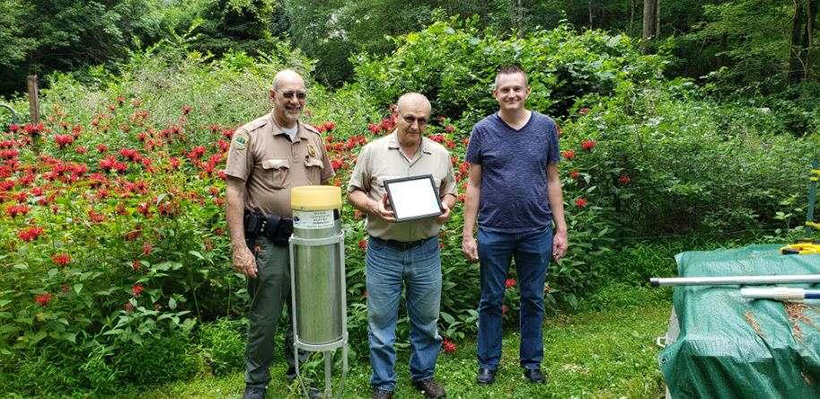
point(277, 229)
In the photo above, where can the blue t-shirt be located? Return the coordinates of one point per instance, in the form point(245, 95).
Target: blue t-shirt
point(514, 196)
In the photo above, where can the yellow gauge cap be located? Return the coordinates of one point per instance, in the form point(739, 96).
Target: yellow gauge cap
point(316, 198)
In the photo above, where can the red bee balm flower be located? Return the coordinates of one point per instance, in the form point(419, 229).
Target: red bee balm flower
point(588, 144)
point(15, 210)
point(568, 154)
point(448, 346)
point(30, 234)
point(363, 244)
point(575, 174)
point(61, 259)
point(449, 129)
point(624, 180)
point(509, 283)
point(63, 140)
point(33, 128)
point(137, 289)
point(43, 299)
point(581, 202)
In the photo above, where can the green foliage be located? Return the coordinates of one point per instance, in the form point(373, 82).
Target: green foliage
point(15, 46)
point(688, 164)
point(49, 35)
point(234, 86)
point(149, 362)
point(223, 344)
point(455, 64)
point(748, 37)
point(148, 253)
point(250, 26)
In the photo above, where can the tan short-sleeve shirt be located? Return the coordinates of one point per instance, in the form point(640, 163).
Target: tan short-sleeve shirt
point(383, 160)
point(264, 156)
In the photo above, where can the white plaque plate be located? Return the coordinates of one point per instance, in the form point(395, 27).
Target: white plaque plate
point(413, 197)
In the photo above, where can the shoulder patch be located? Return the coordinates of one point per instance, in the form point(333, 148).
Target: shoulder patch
point(240, 140)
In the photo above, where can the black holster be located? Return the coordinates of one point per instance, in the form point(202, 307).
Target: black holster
point(275, 228)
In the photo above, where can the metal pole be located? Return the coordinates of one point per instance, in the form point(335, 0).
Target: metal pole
point(780, 293)
point(814, 177)
point(328, 371)
point(736, 280)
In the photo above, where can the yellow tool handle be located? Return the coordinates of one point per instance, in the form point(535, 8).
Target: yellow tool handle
point(801, 249)
point(813, 225)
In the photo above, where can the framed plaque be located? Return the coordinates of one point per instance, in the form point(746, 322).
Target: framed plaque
point(413, 197)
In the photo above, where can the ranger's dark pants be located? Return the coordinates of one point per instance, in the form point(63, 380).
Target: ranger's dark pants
point(269, 292)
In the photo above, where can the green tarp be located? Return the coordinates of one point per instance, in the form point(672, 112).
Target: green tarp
point(731, 347)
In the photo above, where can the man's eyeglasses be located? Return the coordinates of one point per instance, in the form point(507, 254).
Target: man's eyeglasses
point(299, 94)
point(410, 119)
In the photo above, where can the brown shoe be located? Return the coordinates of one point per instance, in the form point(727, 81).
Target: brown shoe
point(430, 388)
point(381, 394)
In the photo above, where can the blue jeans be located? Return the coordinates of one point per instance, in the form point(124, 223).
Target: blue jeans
point(532, 252)
point(419, 269)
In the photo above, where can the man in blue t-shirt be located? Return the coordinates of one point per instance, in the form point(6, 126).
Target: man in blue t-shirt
point(515, 191)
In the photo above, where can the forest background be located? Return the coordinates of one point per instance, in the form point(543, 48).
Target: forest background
point(685, 125)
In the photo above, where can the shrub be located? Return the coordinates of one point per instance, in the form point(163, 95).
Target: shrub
point(161, 359)
point(668, 162)
point(223, 344)
point(454, 63)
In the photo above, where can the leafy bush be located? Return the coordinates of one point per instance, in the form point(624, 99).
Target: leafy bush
point(669, 162)
point(223, 343)
point(149, 363)
point(454, 64)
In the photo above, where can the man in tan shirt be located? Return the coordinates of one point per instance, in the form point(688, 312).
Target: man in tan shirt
point(403, 252)
point(268, 157)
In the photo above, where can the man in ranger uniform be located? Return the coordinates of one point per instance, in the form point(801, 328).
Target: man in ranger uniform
point(267, 157)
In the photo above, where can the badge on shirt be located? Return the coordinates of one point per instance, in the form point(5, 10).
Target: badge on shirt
point(311, 150)
point(240, 140)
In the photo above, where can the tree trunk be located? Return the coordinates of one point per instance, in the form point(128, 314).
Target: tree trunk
point(516, 16)
point(651, 19)
point(589, 8)
point(810, 18)
point(801, 40)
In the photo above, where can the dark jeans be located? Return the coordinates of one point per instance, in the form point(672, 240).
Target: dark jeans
point(532, 252)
